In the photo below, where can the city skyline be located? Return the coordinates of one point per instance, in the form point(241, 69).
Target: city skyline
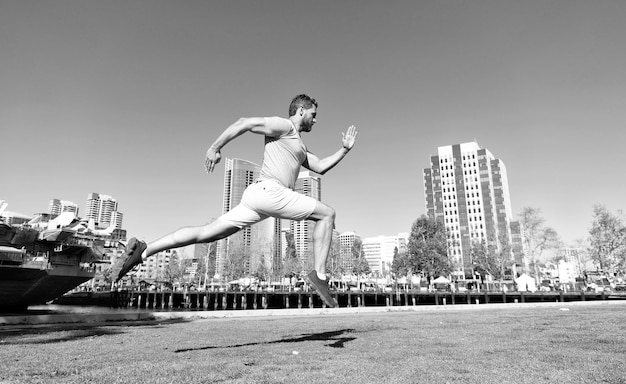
point(125, 98)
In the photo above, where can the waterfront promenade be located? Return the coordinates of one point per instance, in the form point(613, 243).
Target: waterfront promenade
point(145, 305)
point(245, 300)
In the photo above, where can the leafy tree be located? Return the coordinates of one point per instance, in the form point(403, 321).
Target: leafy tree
point(210, 268)
point(537, 237)
point(292, 266)
point(400, 265)
point(492, 257)
point(360, 266)
point(201, 270)
point(106, 274)
point(479, 253)
point(235, 262)
point(503, 257)
point(277, 271)
point(608, 239)
point(263, 273)
point(333, 262)
point(427, 248)
point(172, 272)
point(488, 259)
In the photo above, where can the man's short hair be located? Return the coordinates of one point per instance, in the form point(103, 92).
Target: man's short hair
point(301, 100)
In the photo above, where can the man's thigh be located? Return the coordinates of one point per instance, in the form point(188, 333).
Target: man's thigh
point(272, 199)
point(241, 216)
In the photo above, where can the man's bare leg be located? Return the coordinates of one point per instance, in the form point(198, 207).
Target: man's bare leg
point(322, 236)
point(138, 251)
point(213, 231)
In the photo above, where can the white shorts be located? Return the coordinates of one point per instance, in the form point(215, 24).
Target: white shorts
point(268, 198)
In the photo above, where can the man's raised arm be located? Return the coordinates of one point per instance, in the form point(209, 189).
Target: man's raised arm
point(324, 165)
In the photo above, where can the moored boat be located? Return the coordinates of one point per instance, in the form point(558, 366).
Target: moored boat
point(40, 265)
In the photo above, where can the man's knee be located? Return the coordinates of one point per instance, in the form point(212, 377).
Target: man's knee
point(331, 213)
point(323, 212)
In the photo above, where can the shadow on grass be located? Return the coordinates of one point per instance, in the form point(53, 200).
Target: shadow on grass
point(57, 333)
point(334, 336)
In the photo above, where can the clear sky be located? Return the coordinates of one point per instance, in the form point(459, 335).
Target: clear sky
point(124, 97)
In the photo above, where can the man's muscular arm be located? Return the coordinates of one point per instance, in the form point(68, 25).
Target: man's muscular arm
point(239, 127)
point(324, 165)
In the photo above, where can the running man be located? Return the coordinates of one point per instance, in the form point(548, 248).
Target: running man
point(270, 195)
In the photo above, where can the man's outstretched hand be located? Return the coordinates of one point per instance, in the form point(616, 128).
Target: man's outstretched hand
point(212, 158)
point(348, 138)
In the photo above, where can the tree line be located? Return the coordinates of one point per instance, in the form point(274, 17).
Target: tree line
point(427, 249)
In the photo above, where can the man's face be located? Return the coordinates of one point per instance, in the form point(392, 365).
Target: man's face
point(308, 118)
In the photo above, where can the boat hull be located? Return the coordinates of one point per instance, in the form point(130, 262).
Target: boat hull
point(21, 287)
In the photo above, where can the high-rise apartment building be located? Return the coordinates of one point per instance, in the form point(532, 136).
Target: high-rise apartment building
point(259, 243)
point(309, 184)
point(102, 209)
point(346, 254)
point(517, 245)
point(238, 175)
point(466, 188)
point(56, 207)
point(379, 251)
point(284, 234)
point(159, 266)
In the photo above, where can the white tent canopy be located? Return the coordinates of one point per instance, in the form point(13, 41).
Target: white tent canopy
point(441, 280)
point(525, 283)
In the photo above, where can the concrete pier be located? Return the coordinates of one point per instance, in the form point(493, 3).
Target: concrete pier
point(235, 300)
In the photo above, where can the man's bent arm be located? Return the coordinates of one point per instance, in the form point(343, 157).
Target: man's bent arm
point(245, 124)
point(324, 165)
point(236, 129)
point(213, 155)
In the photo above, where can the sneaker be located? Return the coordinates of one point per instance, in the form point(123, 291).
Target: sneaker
point(132, 256)
point(321, 287)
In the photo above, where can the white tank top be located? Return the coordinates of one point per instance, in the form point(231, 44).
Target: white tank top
point(283, 155)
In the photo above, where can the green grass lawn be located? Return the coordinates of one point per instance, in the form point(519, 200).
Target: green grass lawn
point(552, 344)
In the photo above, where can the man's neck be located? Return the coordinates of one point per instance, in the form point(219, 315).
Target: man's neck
point(297, 123)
